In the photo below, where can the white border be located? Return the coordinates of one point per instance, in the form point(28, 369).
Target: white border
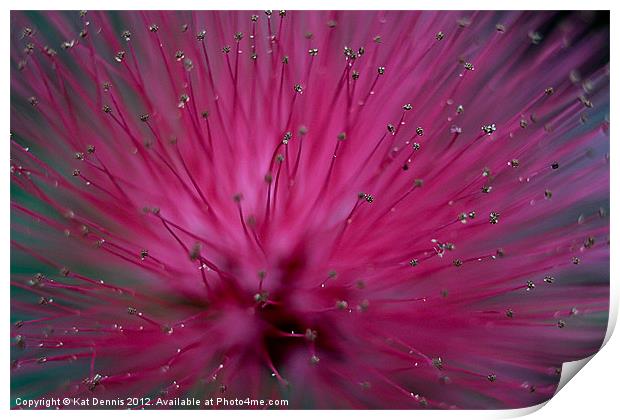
point(314, 5)
point(592, 395)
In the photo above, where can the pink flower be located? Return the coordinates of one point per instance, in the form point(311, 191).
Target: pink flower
point(340, 209)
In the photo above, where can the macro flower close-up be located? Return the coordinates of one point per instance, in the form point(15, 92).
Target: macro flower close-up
point(318, 209)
